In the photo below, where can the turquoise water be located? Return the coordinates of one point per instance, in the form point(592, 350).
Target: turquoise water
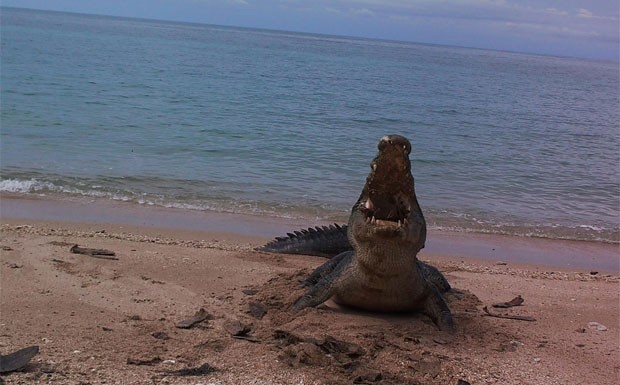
point(284, 124)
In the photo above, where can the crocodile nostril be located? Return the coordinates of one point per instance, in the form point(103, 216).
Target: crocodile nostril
point(384, 142)
point(395, 140)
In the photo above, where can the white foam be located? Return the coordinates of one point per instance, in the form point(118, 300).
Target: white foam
point(592, 227)
point(25, 186)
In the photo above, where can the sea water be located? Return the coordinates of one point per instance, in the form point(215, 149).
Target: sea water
point(285, 124)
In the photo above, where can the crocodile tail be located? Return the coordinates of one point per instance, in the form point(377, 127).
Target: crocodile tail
point(322, 241)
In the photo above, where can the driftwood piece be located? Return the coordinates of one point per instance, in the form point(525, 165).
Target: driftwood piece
point(236, 328)
point(516, 301)
point(201, 315)
point(144, 361)
point(202, 370)
point(507, 316)
point(257, 309)
point(17, 360)
point(96, 253)
point(247, 338)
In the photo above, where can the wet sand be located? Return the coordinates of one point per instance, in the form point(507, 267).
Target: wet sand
point(114, 321)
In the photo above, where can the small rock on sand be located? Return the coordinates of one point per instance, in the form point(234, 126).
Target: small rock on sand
point(597, 326)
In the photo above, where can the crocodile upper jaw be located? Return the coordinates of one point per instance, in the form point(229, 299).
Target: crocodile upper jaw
point(387, 206)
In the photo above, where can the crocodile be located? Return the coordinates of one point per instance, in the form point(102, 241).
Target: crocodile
point(373, 263)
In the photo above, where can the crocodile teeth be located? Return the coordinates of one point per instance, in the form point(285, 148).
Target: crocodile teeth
point(400, 224)
point(368, 204)
point(373, 220)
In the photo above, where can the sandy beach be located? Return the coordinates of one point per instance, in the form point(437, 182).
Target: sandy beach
point(116, 321)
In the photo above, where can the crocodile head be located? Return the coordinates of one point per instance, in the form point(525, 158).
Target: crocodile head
point(387, 210)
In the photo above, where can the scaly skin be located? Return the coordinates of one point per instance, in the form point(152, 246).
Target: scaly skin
point(320, 241)
point(386, 229)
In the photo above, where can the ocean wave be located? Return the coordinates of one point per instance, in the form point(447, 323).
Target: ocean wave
point(26, 186)
point(39, 187)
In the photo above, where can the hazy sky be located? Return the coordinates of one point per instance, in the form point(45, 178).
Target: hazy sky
point(582, 28)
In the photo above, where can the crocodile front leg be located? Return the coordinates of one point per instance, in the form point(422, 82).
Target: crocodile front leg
point(434, 276)
point(324, 280)
point(437, 309)
point(326, 268)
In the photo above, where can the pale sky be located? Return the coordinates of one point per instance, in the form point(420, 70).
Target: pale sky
point(580, 28)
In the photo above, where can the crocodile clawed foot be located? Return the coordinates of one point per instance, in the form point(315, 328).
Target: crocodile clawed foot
point(455, 293)
point(300, 304)
point(306, 282)
point(436, 308)
point(445, 323)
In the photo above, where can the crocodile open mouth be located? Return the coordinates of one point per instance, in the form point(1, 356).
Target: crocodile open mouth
point(387, 211)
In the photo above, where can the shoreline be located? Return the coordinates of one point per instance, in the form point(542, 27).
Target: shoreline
point(567, 254)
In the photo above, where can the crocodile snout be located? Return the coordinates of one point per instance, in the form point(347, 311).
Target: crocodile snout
point(397, 141)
